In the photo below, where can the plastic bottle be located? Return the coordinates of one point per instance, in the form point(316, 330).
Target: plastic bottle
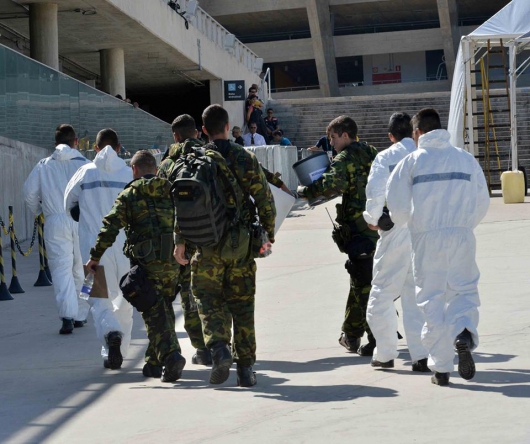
point(87, 286)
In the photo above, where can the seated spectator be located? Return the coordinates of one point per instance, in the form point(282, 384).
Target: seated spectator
point(271, 122)
point(236, 134)
point(278, 139)
point(253, 138)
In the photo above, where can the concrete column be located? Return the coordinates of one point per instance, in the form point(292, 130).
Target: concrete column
point(44, 33)
point(112, 67)
point(216, 92)
point(448, 14)
point(323, 46)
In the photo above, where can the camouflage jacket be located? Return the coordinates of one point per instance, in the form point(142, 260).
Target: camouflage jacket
point(251, 181)
point(347, 175)
point(175, 151)
point(145, 210)
point(272, 178)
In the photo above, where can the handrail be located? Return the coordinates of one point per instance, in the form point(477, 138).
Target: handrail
point(216, 33)
point(269, 87)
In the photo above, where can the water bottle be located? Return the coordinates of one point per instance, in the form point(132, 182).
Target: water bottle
point(87, 286)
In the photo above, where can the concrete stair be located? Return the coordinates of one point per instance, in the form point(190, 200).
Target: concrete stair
point(304, 121)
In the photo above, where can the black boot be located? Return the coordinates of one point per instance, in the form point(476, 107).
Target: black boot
point(245, 376)
point(202, 356)
point(152, 371)
point(463, 345)
point(367, 349)
point(420, 366)
point(79, 324)
point(350, 343)
point(68, 327)
point(173, 365)
point(387, 364)
point(115, 358)
point(222, 361)
point(440, 378)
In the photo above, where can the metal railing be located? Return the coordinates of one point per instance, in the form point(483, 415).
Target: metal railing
point(219, 35)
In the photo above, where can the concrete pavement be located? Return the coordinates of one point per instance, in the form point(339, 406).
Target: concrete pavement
point(310, 390)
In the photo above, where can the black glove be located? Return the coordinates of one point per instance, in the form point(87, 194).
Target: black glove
point(74, 212)
point(358, 246)
point(385, 223)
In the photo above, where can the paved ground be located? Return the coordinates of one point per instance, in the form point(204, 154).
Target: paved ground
point(53, 388)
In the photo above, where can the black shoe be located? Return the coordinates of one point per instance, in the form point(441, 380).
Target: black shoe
point(387, 364)
point(367, 349)
point(350, 343)
point(420, 366)
point(245, 376)
point(79, 324)
point(440, 378)
point(68, 327)
point(202, 356)
point(152, 371)
point(173, 365)
point(463, 345)
point(115, 359)
point(106, 363)
point(222, 361)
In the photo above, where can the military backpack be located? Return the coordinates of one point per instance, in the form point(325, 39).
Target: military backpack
point(199, 191)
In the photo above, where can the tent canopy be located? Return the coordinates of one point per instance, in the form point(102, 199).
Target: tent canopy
point(511, 23)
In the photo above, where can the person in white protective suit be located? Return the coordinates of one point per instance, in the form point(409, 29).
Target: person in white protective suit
point(392, 272)
point(441, 192)
point(94, 189)
point(44, 192)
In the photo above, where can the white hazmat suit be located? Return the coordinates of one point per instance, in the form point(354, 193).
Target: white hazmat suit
point(94, 188)
point(392, 272)
point(441, 192)
point(44, 191)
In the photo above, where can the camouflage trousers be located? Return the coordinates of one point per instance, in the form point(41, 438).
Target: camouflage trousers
point(355, 323)
point(160, 319)
point(224, 290)
point(192, 321)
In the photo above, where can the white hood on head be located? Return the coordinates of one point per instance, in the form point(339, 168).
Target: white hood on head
point(107, 160)
point(64, 152)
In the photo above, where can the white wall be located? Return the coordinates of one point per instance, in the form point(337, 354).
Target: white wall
point(17, 159)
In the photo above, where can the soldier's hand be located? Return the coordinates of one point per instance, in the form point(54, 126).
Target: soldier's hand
point(180, 254)
point(92, 266)
point(301, 191)
point(373, 227)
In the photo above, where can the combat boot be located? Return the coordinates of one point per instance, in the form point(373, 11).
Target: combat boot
point(420, 366)
point(350, 343)
point(68, 327)
point(387, 364)
point(440, 378)
point(222, 361)
point(245, 376)
point(115, 358)
point(79, 324)
point(202, 356)
point(367, 349)
point(152, 371)
point(173, 365)
point(463, 345)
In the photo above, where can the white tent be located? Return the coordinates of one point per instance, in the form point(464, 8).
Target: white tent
point(512, 25)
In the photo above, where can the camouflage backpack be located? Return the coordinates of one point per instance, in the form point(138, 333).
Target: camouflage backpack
point(199, 191)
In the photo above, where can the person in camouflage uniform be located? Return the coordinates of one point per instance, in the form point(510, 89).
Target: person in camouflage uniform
point(219, 281)
point(145, 210)
point(348, 175)
point(185, 135)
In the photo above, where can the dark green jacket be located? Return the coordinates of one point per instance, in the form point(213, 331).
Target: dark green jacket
point(144, 209)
